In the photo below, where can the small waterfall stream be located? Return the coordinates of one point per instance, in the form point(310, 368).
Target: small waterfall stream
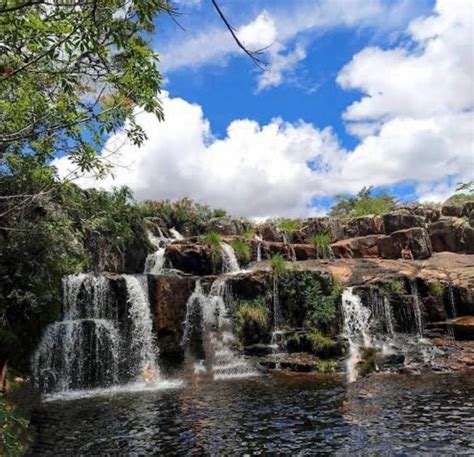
point(230, 263)
point(417, 307)
point(155, 262)
point(208, 315)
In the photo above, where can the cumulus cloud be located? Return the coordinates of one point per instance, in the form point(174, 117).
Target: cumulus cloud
point(278, 27)
point(414, 120)
point(274, 169)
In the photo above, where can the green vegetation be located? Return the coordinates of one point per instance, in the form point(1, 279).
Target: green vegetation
point(70, 76)
point(289, 227)
point(436, 288)
point(213, 239)
point(249, 234)
point(321, 345)
point(242, 251)
point(252, 322)
point(322, 245)
point(321, 309)
point(396, 287)
point(278, 264)
point(13, 429)
point(363, 204)
point(326, 366)
point(464, 193)
point(219, 212)
point(67, 230)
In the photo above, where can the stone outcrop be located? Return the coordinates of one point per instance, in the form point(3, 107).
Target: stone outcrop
point(168, 297)
point(330, 225)
point(228, 226)
point(356, 248)
point(453, 235)
point(417, 240)
point(194, 258)
point(400, 220)
point(363, 226)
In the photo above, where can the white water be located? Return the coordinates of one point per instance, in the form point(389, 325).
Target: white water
point(417, 307)
point(155, 262)
point(259, 252)
point(356, 329)
point(222, 362)
point(86, 349)
point(229, 260)
point(142, 339)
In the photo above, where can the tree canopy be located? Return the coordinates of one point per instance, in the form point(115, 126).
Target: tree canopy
point(71, 73)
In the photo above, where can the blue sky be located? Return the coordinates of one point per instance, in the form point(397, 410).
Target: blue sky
point(357, 93)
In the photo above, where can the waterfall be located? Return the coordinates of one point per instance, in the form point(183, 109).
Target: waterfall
point(388, 316)
point(417, 307)
point(451, 302)
point(154, 262)
point(259, 251)
point(216, 333)
point(229, 260)
point(90, 348)
point(356, 330)
point(142, 340)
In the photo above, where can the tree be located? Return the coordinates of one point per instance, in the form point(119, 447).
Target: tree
point(364, 203)
point(71, 73)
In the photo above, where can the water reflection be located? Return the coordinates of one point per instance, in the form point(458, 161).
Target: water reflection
point(282, 414)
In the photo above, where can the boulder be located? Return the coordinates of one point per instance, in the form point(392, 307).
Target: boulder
point(452, 235)
point(168, 297)
point(429, 213)
point(416, 239)
point(400, 220)
point(268, 231)
point(227, 226)
point(330, 225)
point(364, 226)
point(355, 248)
point(468, 209)
point(194, 258)
point(452, 210)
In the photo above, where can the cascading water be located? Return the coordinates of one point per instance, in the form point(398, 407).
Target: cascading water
point(208, 315)
point(356, 330)
point(277, 317)
point(154, 262)
point(259, 252)
point(417, 307)
point(142, 340)
point(229, 260)
point(83, 349)
point(90, 348)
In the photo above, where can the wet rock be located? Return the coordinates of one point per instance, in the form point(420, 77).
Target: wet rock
point(400, 220)
point(168, 298)
point(355, 248)
point(463, 328)
point(364, 226)
point(416, 239)
point(269, 232)
point(194, 258)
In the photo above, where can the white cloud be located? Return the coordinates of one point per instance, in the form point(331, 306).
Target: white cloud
point(279, 27)
point(416, 115)
point(414, 120)
point(255, 170)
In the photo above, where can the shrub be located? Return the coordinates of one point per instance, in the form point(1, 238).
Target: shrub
point(242, 251)
point(321, 345)
point(219, 212)
point(249, 233)
point(252, 322)
point(326, 366)
point(289, 227)
point(395, 286)
point(321, 309)
point(213, 240)
point(278, 264)
point(436, 288)
point(12, 430)
point(363, 204)
point(322, 245)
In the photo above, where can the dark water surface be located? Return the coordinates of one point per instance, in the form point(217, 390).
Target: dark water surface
point(384, 415)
